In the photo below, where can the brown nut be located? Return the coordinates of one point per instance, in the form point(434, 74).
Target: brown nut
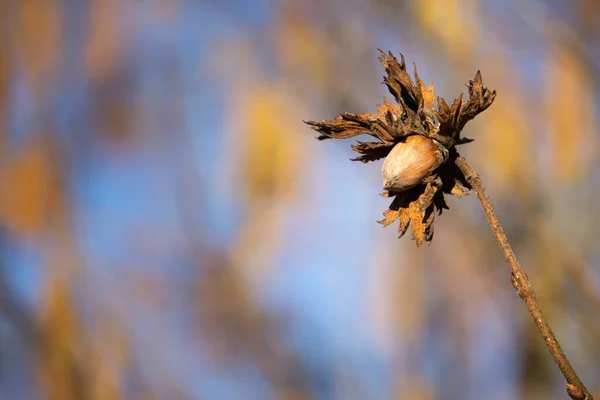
point(410, 162)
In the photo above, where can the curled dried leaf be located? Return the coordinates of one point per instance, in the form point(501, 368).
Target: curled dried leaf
point(404, 222)
point(389, 217)
point(459, 190)
point(453, 120)
point(371, 151)
point(398, 81)
point(387, 126)
point(343, 127)
point(416, 208)
point(480, 98)
point(428, 98)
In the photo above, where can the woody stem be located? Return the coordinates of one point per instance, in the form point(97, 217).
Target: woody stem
point(521, 283)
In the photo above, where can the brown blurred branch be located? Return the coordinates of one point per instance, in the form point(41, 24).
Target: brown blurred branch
point(521, 283)
point(575, 265)
point(36, 336)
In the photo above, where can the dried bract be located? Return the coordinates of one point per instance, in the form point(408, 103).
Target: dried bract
point(418, 141)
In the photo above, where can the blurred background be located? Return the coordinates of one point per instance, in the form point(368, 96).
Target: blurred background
point(170, 229)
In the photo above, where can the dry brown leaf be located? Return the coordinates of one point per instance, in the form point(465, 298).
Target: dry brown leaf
point(389, 217)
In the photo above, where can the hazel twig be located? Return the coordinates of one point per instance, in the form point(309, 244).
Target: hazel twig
point(575, 388)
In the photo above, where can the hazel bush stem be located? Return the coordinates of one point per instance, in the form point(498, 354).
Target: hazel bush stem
point(521, 283)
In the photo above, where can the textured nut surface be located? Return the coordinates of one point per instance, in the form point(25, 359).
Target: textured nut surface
point(410, 162)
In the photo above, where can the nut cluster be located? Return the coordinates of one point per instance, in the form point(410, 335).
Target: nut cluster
point(418, 142)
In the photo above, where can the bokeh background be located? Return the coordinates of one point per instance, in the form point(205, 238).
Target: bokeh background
point(170, 229)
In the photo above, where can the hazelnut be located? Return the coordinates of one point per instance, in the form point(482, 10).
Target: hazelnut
point(410, 162)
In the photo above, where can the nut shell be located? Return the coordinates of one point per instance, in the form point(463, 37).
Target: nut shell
point(410, 162)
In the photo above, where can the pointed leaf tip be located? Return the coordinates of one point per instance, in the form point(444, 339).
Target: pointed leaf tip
point(389, 217)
